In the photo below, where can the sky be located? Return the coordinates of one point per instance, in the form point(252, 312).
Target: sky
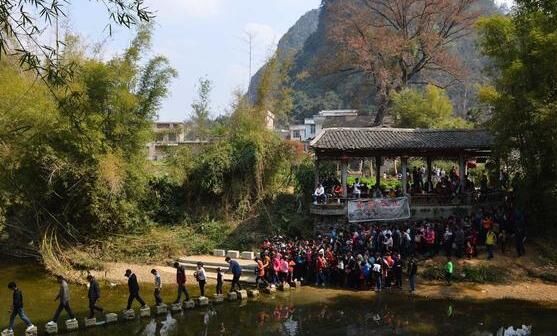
point(201, 38)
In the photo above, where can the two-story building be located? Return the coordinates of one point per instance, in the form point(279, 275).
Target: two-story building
point(327, 119)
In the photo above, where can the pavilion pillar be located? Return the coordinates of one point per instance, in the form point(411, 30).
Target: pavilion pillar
point(461, 171)
point(429, 183)
point(404, 163)
point(344, 177)
point(378, 171)
point(316, 172)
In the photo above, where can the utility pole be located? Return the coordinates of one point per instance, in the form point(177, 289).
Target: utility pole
point(249, 39)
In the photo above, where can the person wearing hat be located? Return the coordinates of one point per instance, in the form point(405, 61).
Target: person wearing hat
point(133, 287)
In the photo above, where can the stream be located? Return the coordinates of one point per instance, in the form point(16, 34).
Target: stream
point(304, 311)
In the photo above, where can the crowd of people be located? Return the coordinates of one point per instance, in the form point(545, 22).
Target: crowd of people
point(443, 183)
point(375, 256)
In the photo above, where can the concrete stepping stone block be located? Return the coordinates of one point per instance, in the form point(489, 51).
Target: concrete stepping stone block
point(72, 324)
point(269, 290)
point(111, 317)
point(202, 301)
point(296, 284)
point(51, 328)
point(162, 309)
point(218, 298)
point(145, 311)
point(90, 322)
point(7, 332)
point(253, 293)
point(176, 307)
point(219, 253)
point(232, 296)
point(31, 331)
point(129, 314)
point(242, 294)
point(284, 287)
point(246, 255)
point(233, 254)
point(189, 304)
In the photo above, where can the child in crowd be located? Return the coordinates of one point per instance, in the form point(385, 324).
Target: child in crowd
point(219, 281)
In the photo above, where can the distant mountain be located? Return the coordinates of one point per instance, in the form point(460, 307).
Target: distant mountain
point(316, 89)
point(290, 44)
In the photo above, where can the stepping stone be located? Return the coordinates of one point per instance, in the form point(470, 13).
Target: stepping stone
point(90, 322)
point(7, 332)
point(219, 253)
point(242, 294)
point(233, 254)
point(145, 312)
point(232, 296)
point(32, 331)
point(218, 298)
point(51, 328)
point(284, 287)
point(269, 290)
point(203, 301)
point(162, 309)
point(72, 324)
point(246, 255)
point(253, 293)
point(112, 317)
point(189, 304)
point(296, 284)
point(176, 307)
point(129, 314)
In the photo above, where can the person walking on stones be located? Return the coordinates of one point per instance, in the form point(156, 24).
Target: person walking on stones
point(201, 278)
point(158, 287)
point(181, 281)
point(449, 268)
point(236, 270)
point(219, 281)
point(93, 294)
point(17, 308)
point(133, 287)
point(63, 299)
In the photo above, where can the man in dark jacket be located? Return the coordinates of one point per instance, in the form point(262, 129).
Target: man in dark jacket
point(181, 281)
point(236, 270)
point(94, 294)
point(17, 308)
point(133, 287)
point(63, 298)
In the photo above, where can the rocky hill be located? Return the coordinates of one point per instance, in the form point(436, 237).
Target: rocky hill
point(316, 88)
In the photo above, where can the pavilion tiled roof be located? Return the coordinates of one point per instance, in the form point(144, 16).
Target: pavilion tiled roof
point(398, 139)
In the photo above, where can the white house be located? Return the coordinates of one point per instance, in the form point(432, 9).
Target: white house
point(327, 119)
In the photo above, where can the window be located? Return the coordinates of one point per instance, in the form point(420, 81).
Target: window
point(312, 129)
point(172, 137)
point(160, 137)
point(296, 134)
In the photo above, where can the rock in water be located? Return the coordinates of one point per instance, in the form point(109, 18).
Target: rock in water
point(92, 322)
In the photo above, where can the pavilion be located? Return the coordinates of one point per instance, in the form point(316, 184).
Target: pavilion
point(344, 145)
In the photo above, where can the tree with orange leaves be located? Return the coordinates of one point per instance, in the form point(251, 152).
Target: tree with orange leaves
point(397, 43)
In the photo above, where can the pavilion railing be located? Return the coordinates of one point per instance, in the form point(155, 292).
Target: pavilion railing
point(431, 199)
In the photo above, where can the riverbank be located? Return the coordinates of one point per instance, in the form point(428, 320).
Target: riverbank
point(525, 289)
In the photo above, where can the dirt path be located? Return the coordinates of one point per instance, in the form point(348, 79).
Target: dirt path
point(114, 273)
